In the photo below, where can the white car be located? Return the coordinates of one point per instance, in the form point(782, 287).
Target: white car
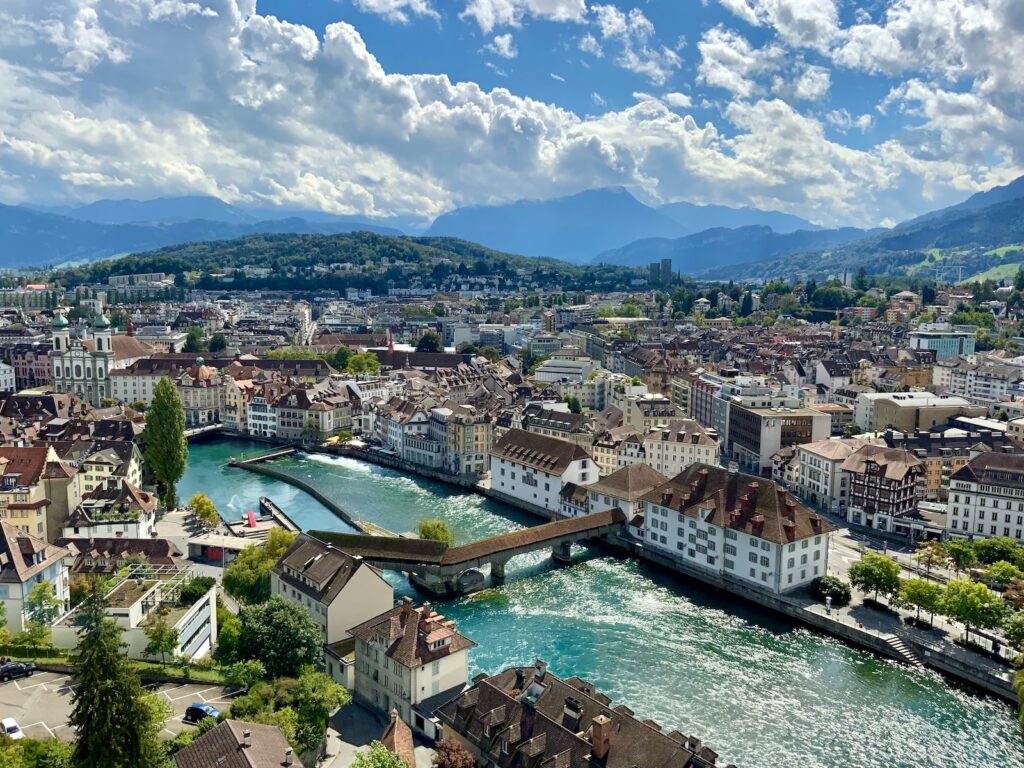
point(11, 728)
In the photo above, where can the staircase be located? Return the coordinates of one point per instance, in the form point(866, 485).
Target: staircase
point(903, 651)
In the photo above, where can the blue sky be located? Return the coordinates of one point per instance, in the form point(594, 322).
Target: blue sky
point(859, 112)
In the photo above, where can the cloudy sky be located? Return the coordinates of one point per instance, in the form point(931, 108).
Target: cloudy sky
point(857, 112)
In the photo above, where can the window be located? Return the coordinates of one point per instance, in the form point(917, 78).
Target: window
point(753, 557)
point(765, 561)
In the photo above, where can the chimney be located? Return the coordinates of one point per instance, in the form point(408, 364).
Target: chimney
point(752, 489)
point(791, 507)
point(816, 523)
point(540, 669)
point(246, 738)
point(666, 499)
point(406, 605)
point(289, 757)
point(757, 524)
point(600, 736)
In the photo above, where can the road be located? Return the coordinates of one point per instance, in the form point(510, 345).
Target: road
point(41, 704)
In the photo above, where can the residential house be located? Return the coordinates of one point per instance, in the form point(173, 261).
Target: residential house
point(534, 468)
point(25, 561)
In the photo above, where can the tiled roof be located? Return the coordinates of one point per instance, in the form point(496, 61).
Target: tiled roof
point(324, 570)
point(224, 747)
point(547, 454)
point(896, 463)
point(409, 632)
point(629, 482)
point(22, 555)
point(740, 502)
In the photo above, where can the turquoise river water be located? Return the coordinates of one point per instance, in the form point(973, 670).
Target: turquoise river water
point(759, 690)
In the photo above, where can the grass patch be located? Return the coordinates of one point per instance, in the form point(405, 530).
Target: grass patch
point(148, 670)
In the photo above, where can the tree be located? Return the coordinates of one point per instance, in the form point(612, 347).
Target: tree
point(194, 590)
point(311, 432)
point(490, 354)
point(193, 340)
point(932, 554)
point(340, 358)
point(282, 635)
point(747, 305)
point(316, 697)
point(218, 342)
point(1013, 593)
point(430, 342)
point(831, 586)
point(574, 403)
point(961, 554)
point(989, 551)
point(248, 577)
point(162, 637)
point(204, 510)
point(450, 754)
point(920, 594)
point(245, 674)
point(972, 604)
point(166, 450)
point(113, 723)
point(41, 605)
point(292, 353)
point(1013, 630)
point(229, 631)
point(1002, 573)
point(377, 756)
point(363, 364)
point(876, 573)
point(435, 530)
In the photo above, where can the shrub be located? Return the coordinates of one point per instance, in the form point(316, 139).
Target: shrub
point(831, 586)
point(194, 590)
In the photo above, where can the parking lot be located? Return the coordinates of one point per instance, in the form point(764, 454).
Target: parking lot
point(41, 703)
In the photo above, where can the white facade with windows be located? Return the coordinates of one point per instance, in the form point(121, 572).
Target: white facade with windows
point(986, 497)
point(534, 468)
point(768, 539)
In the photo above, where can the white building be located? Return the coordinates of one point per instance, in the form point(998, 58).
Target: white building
point(411, 660)
point(986, 497)
point(672, 448)
point(83, 365)
point(339, 591)
point(819, 476)
point(24, 562)
point(7, 378)
point(533, 468)
point(737, 527)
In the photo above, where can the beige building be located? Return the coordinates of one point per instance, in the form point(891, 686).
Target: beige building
point(913, 411)
point(411, 660)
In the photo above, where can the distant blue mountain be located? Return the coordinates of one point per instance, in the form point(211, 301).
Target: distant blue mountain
point(1012, 191)
point(719, 247)
point(31, 237)
point(572, 228)
point(160, 210)
point(697, 218)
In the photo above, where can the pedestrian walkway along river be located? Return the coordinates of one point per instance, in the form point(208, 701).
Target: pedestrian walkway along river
point(762, 692)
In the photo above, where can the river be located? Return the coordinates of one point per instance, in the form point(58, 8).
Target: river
point(759, 690)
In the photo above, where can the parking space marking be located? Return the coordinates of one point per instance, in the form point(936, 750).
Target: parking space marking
point(39, 723)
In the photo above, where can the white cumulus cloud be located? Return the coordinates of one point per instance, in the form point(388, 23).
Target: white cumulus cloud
point(504, 46)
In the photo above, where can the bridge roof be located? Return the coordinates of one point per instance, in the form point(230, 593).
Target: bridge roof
point(438, 553)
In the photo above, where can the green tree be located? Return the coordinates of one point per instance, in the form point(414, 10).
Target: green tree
point(229, 631)
point(831, 586)
point(876, 573)
point(363, 364)
point(1002, 573)
point(747, 305)
point(377, 756)
point(920, 594)
point(988, 551)
point(248, 577)
point(490, 354)
point(292, 353)
point(112, 721)
point(1013, 630)
point(932, 554)
point(961, 554)
point(162, 637)
point(435, 530)
point(972, 604)
point(340, 358)
point(316, 697)
point(218, 342)
point(282, 635)
point(448, 753)
point(204, 510)
point(165, 447)
point(574, 403)
point(245, 674)
point(41, 605)
point(430, 342)
point(194, 340)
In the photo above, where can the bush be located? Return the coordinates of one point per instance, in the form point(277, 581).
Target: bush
point(435, 530)
point(194, 590)
point(831, 586)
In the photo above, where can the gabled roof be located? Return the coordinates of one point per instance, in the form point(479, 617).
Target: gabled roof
point(323, 570)
point(224, 747)
point(22, 555)
point(411, 635)
point(629, 482)
point(547, 454)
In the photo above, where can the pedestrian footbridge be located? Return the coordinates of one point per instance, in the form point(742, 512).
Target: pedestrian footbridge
point(437, 567)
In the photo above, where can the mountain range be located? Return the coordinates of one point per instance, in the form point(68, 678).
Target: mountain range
point(603, 226)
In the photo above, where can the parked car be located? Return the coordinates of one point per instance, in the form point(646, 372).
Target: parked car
point(200, 711)
point(11, 728)
point(13, 669)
